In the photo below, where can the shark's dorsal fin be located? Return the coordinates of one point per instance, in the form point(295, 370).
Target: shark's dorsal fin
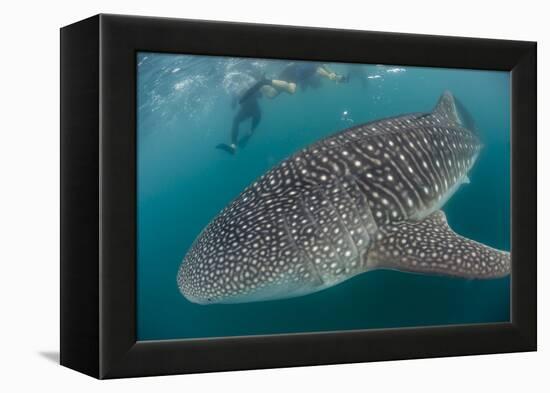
point(446, 108)
point(430, 246)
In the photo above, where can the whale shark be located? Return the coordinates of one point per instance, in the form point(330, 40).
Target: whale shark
point(368, 197)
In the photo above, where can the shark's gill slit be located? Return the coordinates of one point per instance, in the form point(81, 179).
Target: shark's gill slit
point(345, 230)
point(353, 205)
point(311, 264)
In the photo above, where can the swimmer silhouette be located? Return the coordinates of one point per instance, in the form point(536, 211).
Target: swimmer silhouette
point(293, 75)
point(249, 108)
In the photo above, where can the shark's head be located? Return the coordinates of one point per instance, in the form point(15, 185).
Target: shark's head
point(240, 270)
point(245, 253)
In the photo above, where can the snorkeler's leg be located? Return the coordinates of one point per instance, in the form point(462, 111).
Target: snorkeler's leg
point(256, 116)
point(269, 91)
point(235, 129)
point(281, 85)
point(232, 147)
point(251, 92)
point(325, 72)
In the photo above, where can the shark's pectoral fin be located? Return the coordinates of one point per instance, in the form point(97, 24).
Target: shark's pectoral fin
point(431, 247)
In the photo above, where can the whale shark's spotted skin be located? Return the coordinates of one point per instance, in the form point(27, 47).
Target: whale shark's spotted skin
point(367, 197)
point(401, 247)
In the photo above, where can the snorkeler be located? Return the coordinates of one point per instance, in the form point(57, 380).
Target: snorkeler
point(295, 74)
point(303, 74)
point(249, 108)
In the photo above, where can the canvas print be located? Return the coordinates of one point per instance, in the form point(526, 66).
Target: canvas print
point(288, 196)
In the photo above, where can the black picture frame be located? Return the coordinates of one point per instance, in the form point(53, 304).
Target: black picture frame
point(98, 196)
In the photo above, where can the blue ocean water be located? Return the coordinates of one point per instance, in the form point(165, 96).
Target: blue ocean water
point(185, 108)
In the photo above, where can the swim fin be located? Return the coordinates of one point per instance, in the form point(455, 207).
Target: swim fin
point(227, 148)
